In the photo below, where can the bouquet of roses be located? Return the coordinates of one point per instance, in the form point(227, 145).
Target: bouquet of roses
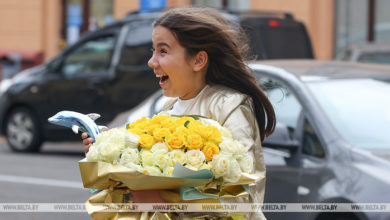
point(153, 147)
point(193, 155)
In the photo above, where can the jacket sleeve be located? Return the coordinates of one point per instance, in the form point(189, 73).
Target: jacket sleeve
point(242, 123)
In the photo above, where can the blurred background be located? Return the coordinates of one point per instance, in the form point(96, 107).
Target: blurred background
point(39, 29)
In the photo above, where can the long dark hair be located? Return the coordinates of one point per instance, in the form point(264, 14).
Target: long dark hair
point(206, 29)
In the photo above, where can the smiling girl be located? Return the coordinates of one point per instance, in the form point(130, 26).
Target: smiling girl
point(199, 57)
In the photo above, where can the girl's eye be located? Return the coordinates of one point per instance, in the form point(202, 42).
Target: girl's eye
point(163, 51)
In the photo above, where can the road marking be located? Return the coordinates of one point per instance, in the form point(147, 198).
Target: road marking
point(41, 181)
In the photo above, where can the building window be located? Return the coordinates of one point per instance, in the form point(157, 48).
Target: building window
point(80, 16)
point(351, 23)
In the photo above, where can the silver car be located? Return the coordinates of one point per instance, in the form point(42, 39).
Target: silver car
point(332, 140)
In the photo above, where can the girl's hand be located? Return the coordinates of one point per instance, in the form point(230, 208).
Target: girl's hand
point(87, 141)
point(146, 196)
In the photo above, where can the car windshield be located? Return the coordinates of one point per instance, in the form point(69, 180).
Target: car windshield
point(358, 108)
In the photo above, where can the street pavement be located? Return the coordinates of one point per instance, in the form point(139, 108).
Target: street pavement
point(51, 176)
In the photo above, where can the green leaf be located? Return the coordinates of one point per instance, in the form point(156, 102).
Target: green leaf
point(186, 123)
point(127, 126)
point(139, 148)
point(194, 117)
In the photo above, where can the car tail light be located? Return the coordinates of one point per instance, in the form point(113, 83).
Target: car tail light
point(274, 23)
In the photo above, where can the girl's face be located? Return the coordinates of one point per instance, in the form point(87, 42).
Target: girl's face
point(178, 73)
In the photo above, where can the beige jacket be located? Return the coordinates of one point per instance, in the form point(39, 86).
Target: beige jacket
point(233, 110)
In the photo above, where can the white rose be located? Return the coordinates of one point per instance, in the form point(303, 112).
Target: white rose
point(130, 155)
point(93, 154)
point(110, 152)
point(152, 171)
point(233, 173)
point(210, 122)
point(162, 159)
point(205, 166)
point(109, 145)
point(131, 140)
point(220, 164)
point(168, 171)
point(178, 156)
point(134, 166)
point(161, 146)
point(226, 134)
point(191, 167)
point(146, 157)
point(195, 158)
point(246, 163)
point(232, 146)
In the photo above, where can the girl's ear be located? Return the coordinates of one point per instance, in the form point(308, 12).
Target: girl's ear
point(200, 60)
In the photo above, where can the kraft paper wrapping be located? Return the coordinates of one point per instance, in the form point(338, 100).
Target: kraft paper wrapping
point(116, 181)
point(101, 175)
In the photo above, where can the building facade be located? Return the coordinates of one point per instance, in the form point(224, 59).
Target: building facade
point(46, 26)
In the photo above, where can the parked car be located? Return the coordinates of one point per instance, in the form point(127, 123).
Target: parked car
point(331, 142)
point(368, 53)
point(106, 72)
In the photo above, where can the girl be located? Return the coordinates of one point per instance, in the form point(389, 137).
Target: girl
point(199, 57)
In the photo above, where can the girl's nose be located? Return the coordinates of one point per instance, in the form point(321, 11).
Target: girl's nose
point(152, 63)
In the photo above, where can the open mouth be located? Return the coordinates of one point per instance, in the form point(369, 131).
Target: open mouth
point(164, 79)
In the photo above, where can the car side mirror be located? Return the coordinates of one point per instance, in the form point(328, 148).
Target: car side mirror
point(281, 139)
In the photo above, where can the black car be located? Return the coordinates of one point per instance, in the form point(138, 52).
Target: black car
point(106, 72)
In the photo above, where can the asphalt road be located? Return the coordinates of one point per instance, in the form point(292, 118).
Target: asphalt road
point(51, 176)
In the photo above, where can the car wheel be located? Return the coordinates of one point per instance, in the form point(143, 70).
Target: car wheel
point(22, 131)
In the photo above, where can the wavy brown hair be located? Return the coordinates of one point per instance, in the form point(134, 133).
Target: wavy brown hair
point(206, 29)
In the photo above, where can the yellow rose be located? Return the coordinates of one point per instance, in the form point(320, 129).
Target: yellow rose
point(175, 141)
point(157, 119)
point(136, 131)
point(201, 130)
point(184, 121)
point(152, 127)
point(160, 134)
point(138, 122)
point(169, 123)
point(214, 135)
point(183, 130)
point(210, 149)
point(146, 141)
point(194, 124)
point(194, 141)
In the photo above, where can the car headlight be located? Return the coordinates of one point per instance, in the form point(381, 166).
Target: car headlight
point(4, 85)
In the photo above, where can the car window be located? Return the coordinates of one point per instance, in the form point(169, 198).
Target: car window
point(138, 44)
point(311, 144)
point(359, 109)
point(286, 105)
point(379, 58)
point(91, 56)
